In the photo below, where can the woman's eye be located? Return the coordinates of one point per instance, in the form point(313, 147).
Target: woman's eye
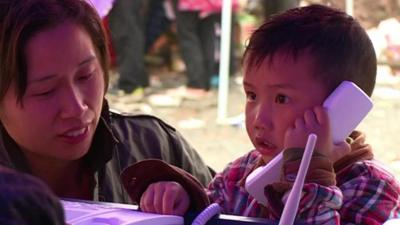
point(85, 77)
point(281, 99)
point(44, 93)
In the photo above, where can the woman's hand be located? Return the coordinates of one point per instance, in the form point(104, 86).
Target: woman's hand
point(165, 198)
point(315, 121)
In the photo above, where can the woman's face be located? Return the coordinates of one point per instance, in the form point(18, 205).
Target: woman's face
point(62, 104)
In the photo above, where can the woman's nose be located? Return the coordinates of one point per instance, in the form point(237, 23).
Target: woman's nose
point(73, 104)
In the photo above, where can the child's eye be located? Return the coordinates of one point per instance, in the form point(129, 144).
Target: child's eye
point(281, 99)
point(250, 96)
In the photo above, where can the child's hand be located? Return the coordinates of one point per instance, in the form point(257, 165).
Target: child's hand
point(315, 121)
point(165, 198)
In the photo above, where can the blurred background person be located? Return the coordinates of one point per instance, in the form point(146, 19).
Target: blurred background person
point(197, 23)
point(271, 7)
point(266, 8)
point(126, 22)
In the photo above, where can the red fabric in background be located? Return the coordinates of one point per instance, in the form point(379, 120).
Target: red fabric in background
point(110, 45)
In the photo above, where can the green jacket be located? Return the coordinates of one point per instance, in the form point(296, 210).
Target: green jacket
point(121, 140)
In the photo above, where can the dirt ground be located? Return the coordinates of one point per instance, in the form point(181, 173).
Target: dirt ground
point(219, 144)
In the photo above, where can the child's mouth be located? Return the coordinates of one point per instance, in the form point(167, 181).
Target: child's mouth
point(265, 147)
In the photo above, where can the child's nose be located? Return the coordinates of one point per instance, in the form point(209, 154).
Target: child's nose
point(263, 118)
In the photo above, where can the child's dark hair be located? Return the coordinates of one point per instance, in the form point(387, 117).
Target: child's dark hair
point(25, 200)
point(341, 48)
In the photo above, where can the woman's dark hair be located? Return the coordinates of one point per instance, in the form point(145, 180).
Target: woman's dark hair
point(20, 20)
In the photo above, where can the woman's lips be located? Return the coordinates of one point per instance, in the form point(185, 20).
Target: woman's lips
point(75, 136)
point(75, 133)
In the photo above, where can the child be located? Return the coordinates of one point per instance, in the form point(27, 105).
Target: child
point(292, 63)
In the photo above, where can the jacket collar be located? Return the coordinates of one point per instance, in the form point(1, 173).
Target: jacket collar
point(104, 141)
point(100, 151)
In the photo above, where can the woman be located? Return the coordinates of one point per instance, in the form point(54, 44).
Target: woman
point(54, 120)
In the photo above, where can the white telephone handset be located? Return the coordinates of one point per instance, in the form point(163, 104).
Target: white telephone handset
point(347, 105)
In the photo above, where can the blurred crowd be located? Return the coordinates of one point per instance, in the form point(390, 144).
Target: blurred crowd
point(183, 37)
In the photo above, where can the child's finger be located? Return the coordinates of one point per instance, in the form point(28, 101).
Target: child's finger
point(170, 199)
point(159, 191)
point(321, 115)
point(341, 149)
point(183, 204)
point(146, 201)
point(310, 118)
point(299, 123)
